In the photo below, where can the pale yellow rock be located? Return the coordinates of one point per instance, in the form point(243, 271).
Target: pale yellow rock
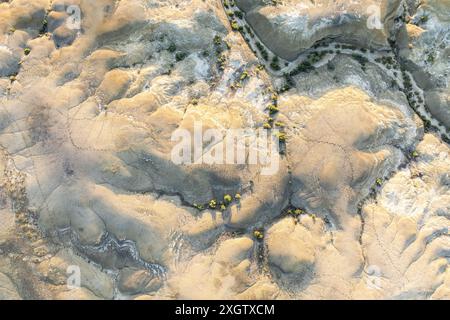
point(76, 294)
point(233, 251)
point(8, 291)
point(113, 86)
point(59, 268)
point(291, 248)
point(414, 31)
point(133, 281)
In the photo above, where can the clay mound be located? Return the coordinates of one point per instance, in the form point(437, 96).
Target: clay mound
point(291, 27)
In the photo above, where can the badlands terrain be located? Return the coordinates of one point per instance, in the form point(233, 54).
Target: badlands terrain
point(357, 93)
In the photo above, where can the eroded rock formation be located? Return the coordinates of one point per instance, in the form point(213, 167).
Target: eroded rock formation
point(359, 205)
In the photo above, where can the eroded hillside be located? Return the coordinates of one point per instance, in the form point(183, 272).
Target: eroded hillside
point(92, 91)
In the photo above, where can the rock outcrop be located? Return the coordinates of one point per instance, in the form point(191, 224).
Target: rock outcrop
point(290, 27)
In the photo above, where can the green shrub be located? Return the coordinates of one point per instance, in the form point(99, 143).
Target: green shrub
point(198, 206)
point(305, 66)
point(315, 57)
point(217, 40)
point(262, 50)
point(281, 136)
point(424, 19)
point(213, 204)
point(272, 109)
point(361, 59)
point(172, 48)
point(227, 198)
point(44, 27)
point(243, 76)
point(275, 64)
point(249, 31)
point(179, 56)
point(234, 25)
point(258, 234)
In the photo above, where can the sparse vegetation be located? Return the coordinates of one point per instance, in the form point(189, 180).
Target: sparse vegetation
point(331, 66)
point(289, 83)
point(361, 59)
point(44, 27)
point(281, 136)
point(275, 63)
point(249, 31)
point(296, 212)
point(213, 204)
point(244, 75)
point(180, 56)
point(258, 234)
point(221, 61)
point(388, 62)
point(198, 206)
point(316, 56)
point(424, 19)
point(239, 14)
point(273, 109)
point(217, 40)
point(227, 198)
point(304, 67)
point(172, 48)
point(262, 51)
point(235, 26)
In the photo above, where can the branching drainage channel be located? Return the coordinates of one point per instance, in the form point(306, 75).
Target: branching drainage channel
point(110, 246)
point(320, 54)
